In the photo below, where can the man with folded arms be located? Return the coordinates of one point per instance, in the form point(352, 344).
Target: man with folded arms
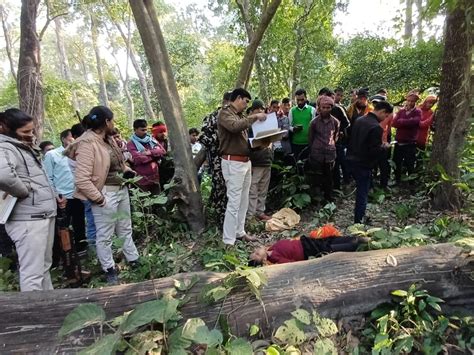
point(234, 149)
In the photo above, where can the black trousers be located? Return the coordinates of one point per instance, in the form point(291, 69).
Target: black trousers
point(319, 247)
point(76, 219)
point(383, 166)
point(404, 156)
point(324, 177)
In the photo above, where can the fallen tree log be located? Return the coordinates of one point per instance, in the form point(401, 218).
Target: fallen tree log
point(337, 285)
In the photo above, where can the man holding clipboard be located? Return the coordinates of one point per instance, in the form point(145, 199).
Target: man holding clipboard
point(236, 167)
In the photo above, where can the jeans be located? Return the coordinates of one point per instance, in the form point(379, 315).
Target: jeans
point(238, 177)
point(113, 219)
point(34, 246)
point(362, 177)
point(91, 231)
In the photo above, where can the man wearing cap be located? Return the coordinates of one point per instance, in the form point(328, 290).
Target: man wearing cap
point(300, 117)
point(236, 167)
point(323, 134)
point(407, 123)
point(365, 148)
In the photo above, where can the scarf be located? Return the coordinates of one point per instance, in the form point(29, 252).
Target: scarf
point(139, 142)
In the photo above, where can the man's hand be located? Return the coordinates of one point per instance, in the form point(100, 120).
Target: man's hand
point(147, 152)
point(297, 128)
point(386, 145)
point(261, 116)
point(5, 195)
point(62, 202)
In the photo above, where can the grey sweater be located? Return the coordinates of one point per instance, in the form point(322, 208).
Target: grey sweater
point(22, 176)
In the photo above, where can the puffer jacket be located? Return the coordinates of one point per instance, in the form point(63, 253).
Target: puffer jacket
point(22, 176)
point(92, 156)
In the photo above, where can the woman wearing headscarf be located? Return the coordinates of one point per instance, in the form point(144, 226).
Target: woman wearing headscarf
point(426, 120)
point(99, 161)
point(31, 222)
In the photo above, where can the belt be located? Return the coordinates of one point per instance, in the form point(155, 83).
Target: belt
point(42, 215)
point(241, 158)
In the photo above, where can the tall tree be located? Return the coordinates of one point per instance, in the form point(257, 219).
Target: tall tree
point(419, 20)
point(408, 21)
point(103, 97)
point(452, 118)
point(186, 191)
point(268, 12)
point(8, 41)
point(63, 59)
point(29, 82)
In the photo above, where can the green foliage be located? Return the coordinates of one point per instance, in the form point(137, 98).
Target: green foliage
point(8, 278)
point(393, 66)
point(290, 190)
point(404, 211)
point(411, 322)
point(81, 317)
point(303, 327)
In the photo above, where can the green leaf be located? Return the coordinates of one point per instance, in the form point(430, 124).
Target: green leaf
point(146, 342)
point(434, 299)
point(273, 350)
point(382, 341)
point(159, 311)
point(324, 347)
point(196, 330)
point(81, 317)
point(435, 306)
point(254, 330)
point(421, 305)
point(404, 343)
point(177, 345)
point(325, 326)
point(302, 315)
point(186, 284)
point(105, 346)
point(399, 293)
point(239, 346)
point(290, 333)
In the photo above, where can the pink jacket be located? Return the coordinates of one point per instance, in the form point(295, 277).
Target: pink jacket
point(146, 166)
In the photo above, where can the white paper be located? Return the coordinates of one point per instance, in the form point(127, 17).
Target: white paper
point(267, 126)
point(6, 207)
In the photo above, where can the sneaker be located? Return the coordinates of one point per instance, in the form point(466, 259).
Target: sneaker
point(135, 264)
point(264, 217)
point(111, 276)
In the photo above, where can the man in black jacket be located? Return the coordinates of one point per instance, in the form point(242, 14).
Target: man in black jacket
point(365, 149)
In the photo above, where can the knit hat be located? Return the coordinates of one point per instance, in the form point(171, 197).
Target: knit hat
point(414, 94)
point(256, 104)
point(364, 92)
point(378, 98)
point(325, 100)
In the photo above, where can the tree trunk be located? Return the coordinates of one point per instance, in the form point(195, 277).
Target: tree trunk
point(186, 192)
point(123, 79)
point(337, 285)
point(8, 42)
point(63, 60)
point(30, 84)
point(103, 97)
point(295, 79)
point(150, 114)
point(262, 83)
point(419, 20)
point(251, 50)
point(408, 21)
point(452, 117)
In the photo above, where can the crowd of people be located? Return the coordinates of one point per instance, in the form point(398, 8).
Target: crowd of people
point(84, 177)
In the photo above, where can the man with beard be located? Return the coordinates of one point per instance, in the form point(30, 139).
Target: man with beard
point(323, 134)
point(300, 118)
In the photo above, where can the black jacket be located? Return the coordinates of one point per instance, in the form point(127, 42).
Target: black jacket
point(365, 146)
point(340, 113)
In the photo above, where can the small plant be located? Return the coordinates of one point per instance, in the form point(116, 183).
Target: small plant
point(450, 229)
point(8, 278)
point(291, 190)
point(404, 211)
point(413, 322)
point(324, 215)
